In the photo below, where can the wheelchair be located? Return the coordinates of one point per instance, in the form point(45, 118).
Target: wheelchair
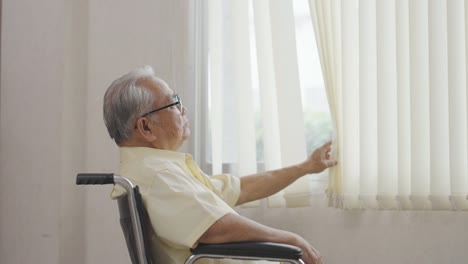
point(134, 220)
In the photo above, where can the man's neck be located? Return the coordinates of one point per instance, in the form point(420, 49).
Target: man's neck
point(156, 145)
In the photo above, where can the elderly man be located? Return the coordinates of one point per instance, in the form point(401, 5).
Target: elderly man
point(149, 124)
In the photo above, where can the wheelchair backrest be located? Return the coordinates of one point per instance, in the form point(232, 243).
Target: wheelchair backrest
point(127, 228)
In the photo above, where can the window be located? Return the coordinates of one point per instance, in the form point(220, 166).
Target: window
point(236, 120)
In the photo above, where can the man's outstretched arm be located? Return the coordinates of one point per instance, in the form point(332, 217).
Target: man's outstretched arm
point(261, 185)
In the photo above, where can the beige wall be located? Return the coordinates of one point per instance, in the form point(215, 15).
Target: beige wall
point(57, 58)
point(35, 168)
point(374, 237)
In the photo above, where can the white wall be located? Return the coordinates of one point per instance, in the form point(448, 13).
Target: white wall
point(57, 59)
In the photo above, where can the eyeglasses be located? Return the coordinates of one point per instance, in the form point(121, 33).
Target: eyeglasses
point(177, 102)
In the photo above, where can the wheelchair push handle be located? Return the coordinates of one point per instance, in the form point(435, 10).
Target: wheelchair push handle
point(94, 178)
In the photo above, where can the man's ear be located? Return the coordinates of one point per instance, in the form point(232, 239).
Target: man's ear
point(144, 131)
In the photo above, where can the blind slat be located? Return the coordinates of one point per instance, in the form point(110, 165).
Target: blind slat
point(419, 81)
point(242, 85)
point(457, 71)
point(291, 130)
point(368, 100)
point(267, 85)
point(350, 100)
point(387, 105)
point(439, 115)
point(215, 42)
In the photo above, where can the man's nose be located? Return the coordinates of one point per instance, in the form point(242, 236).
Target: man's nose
point(183, 110)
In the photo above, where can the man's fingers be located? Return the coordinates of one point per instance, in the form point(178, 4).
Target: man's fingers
point(327, 144)
point(330, 163)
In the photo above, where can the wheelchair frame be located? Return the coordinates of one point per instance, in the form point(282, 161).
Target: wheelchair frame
point(241, 250)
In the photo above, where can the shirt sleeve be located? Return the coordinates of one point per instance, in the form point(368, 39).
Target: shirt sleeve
point(180, 208)
point(227, 187)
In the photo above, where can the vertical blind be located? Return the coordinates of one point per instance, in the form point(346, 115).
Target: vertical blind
point(248, 62)
point(395, 74)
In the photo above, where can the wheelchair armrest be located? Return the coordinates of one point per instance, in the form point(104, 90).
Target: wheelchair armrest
point(250, 249)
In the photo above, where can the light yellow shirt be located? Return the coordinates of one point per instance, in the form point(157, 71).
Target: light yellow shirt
point(182, 202)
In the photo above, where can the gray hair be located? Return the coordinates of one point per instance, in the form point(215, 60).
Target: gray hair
point(125, 101)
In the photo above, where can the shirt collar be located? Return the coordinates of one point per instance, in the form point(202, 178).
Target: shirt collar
point(132, 153)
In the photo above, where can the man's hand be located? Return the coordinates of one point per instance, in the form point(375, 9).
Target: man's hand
point(309, 254)
point(319, 160)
